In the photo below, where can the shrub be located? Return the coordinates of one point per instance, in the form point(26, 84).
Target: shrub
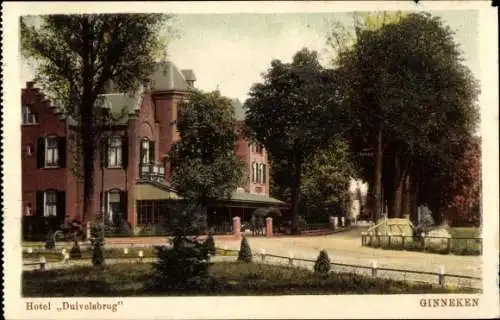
point(181, 267)
point(245, 254)
point(49, 241)
point(210, 245)
point(97, 254)
point(322, 265)
point(75, 252)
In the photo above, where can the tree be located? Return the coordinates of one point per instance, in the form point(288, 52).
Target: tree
point(406, 86)
point(457, 192)
point(294, 113)
point(341, 40)
point(205, 166)
point(326, 179)
point(77, 56)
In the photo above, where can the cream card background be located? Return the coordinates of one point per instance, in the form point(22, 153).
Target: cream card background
point(394, 306)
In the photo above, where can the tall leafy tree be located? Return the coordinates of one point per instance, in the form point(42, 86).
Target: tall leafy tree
point(326, 180)
point(407, 86)
point(366, 142)
point(76, 56)
point(205, 166)
point(294, 113)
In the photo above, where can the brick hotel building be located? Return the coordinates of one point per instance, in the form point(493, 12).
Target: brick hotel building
point(131, 171)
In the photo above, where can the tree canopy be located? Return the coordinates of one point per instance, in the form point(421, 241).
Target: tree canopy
point(412, 102)
point(205, 166)
point(294, 113)
point(77, 56)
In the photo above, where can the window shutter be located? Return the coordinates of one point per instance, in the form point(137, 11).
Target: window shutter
point(124, 152)
point(264, 174)
point(141, 153)
point(39, 204)
point(61, 204)
point(123, 204)
point(152, 152)
point(40, 152)
point(61, 149)
point(104, 152)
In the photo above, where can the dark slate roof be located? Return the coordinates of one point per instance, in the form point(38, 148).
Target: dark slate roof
point(239, 112)
point(167, 77)
point(188, 75)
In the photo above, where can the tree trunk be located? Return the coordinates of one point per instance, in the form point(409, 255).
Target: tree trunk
point(297, 167)
point(406, 197)
point(413, 201)
point(398, 188)
point(377, 188)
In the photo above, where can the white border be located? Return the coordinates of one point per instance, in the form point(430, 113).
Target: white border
point(340, 306)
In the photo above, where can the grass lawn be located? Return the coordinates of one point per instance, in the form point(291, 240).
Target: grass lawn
point(110, 253)
point(227, 278)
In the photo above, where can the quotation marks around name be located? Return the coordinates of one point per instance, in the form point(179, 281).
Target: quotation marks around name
point(73, 306)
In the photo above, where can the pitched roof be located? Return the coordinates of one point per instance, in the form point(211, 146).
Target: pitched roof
point(239, 112)
point(188, 75)
point(166, 77)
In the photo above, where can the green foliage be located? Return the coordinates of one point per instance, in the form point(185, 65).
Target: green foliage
point(75, 252)
point(245, 253)
point(322, 265)
point(76, 57)
point(210, 245)
point(181, 267)
point(97, 252)
point(228, 278)
point(294, 113)
point(205, 166)
point(49, 240)
point(326, 180)
point(407, 81)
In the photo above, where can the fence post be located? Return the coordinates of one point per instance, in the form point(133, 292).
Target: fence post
point(403, 241)
point(423, 241)
point(374, 268)
point(290, 259)
point(441, 276)
point(448, 245)
point(263, 254)
point(141, 255)
point(125, 251)
point(389, 240)
point(43, 262)
point(363, 239)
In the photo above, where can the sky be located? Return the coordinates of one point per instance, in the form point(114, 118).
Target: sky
point(230, 51)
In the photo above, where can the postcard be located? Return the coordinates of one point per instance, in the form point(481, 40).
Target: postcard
point(250, 160)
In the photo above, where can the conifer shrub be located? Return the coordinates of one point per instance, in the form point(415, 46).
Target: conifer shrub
point(50, 243)
point(210, 245)
point(97, 254)
point(322, 265)
point(75, 252)
point(245, 254)
point(181, 267)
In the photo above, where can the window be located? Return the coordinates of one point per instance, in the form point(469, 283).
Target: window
point(114, 204)
point(28, 116)
point(51, 152)
point(50, 204)
point(147, 151)
point(254, 171)
point(115, 152)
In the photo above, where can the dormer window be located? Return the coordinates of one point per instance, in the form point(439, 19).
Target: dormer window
point(28, 116)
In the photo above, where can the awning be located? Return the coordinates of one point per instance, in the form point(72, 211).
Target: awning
point(149, 191)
